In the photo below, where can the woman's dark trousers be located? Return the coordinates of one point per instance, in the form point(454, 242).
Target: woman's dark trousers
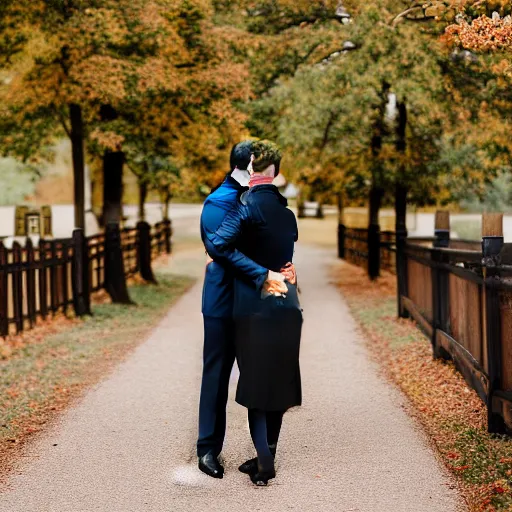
point(265, 428)
point(218, 360)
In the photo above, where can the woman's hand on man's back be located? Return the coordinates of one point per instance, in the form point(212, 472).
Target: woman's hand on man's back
point(288, 271)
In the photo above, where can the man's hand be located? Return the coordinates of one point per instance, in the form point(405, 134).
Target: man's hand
point(288, 271)
point(275, 285)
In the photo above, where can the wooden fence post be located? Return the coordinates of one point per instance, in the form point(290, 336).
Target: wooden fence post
point(80, 273)
point(341, 241)
point(440, 280)
point(401, 243)
point(43, 281)
point(374, 251)
point(168, 235)
point(17, 287)
point(63, 281)
point(54, 279)
point(31, 283)
point(401, 272)
point(4, 297)
point(144, 251)
point(492, 243)
point(442, 229)
point(115, 279)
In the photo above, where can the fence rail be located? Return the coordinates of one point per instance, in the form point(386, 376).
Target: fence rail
point(41, 280)
point(356, 248)
point(459, 292)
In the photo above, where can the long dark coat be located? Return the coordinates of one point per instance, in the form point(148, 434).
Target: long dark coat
point(268, 330)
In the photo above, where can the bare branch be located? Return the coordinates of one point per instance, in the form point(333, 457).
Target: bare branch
point(62, 120)
point(411, 9)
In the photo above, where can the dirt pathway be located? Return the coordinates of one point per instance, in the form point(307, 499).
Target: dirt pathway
point(128, 446)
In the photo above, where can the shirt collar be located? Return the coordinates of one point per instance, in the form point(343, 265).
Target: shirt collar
point(241, 177)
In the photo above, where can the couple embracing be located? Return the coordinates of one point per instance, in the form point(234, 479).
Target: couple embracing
point(250, 308)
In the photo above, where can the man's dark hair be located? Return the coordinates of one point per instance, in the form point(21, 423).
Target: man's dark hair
point(241, 155)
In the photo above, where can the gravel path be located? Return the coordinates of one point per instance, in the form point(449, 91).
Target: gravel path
point(128, 446)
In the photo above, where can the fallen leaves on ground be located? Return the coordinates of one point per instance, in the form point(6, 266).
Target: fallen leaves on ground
point(452, 413)
point(50, 366)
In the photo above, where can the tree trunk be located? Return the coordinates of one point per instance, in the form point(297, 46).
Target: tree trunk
point(401, 187)
point(300, 204)
point(341, 226)
point(401, 241)
point(143, 194)
point(77, 147)
point(113, 162)
point(401, 213)
point(112, 186)
point(97, 189)
point(115, 277)
point(144, 252)
point(339, 202)
point(401, 209)
point(167, 196)
point(376, 194)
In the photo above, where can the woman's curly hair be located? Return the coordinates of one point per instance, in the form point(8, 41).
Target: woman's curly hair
point(265, 154)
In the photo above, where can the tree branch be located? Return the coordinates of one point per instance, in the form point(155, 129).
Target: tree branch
point(62, 121)
point(328, 126)
point(412, 9)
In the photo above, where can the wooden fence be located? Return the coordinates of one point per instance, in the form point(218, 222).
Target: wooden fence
point(356, 248)
point(460, 294)
point(59, 275)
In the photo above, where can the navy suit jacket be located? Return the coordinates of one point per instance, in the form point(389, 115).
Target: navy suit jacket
point(218, 290)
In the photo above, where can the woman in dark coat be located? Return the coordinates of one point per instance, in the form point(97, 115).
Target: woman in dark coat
point(269, 321)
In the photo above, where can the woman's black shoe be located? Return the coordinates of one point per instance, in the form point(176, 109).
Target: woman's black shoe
point(249, 467)
point(209, 465)
point(261, 478)
point(265, 471)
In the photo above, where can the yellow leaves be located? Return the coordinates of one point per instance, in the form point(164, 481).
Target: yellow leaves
point(99, 78)
point(156, 74)
point(162, 65)
point(107, 139)
point(503, 69)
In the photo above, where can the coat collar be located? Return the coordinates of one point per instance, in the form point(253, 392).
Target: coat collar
point(262, 189)
point(233, 183)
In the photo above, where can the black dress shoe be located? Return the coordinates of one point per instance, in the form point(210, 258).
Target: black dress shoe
point(261, 478)
point(249, 467)
point(265, 471)
point(209, 465)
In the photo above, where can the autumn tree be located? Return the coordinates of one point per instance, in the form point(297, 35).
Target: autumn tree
point(109, 72)
point(481, 43)
point(378, 108)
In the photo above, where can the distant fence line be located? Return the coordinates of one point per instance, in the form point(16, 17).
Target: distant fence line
point(59, 275)
point(460, 294)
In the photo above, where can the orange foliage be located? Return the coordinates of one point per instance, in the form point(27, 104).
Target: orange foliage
point(483, 34)
point(160, 65)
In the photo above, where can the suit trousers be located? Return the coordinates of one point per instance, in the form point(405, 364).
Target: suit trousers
point(218, 360)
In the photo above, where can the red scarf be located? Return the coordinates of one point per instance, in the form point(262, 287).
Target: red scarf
point(260, 180)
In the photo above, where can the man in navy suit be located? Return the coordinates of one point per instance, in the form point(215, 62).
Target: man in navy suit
point(217, 308)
